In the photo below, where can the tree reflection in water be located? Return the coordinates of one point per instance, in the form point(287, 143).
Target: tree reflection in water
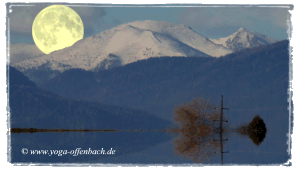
point(256, 130)
point(199, 148)
point(197, 131)
point(196, 140)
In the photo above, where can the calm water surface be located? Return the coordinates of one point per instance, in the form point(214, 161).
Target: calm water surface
point(145, 148)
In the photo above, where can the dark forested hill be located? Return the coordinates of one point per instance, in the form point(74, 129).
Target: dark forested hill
point(34, 107)
point(253, 81)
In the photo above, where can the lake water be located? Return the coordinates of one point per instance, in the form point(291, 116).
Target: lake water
point(144, 148)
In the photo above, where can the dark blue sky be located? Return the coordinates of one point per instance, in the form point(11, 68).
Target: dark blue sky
point(209, 21)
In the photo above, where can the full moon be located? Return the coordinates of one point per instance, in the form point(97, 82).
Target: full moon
point(56, 27)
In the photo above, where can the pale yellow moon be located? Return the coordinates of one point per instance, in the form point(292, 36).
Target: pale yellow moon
point(56, 27)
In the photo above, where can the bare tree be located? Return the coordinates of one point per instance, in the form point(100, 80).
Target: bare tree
point(198, 114)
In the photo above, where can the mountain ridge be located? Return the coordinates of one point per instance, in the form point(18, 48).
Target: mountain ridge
point(125, 41)
point(33, 107)
point(21, 51)
point(244, 38)
point(128, 43)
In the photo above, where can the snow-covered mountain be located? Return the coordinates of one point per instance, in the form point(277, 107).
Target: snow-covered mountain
point(244, 38)
point(21, 51)
point(184, 34)
point(129, 43)
point(126, 44)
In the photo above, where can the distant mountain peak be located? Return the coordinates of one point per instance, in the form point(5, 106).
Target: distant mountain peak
point(244, 38)
point(242, 29)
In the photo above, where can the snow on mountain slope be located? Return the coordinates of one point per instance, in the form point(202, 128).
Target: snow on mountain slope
point(184, 34)
point(125, 44)
point(20, 52)
point(133, 44)
point(244, 38)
